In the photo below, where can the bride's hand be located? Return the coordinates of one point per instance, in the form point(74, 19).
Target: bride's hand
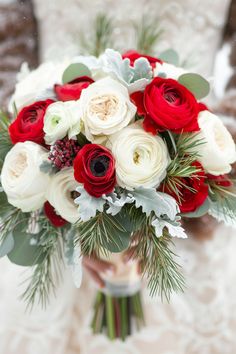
point(96, 266)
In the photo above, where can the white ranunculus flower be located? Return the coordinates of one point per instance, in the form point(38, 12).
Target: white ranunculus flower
point(171, 71)
point(105, 108)
point(59, 194)
point(23, 182)
point(62, 119)
point(36, 84)
point(141, 158)
point(218, 152)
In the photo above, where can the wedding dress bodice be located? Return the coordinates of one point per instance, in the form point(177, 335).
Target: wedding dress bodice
point(203, 319)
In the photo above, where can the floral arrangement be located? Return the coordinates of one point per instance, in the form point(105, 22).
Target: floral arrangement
point(108, 154)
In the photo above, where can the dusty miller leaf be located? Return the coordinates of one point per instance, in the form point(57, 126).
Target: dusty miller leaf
point(174, 228)
point(159, 203)
point(88, 205)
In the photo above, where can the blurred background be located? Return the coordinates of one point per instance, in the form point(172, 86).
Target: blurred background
point(203, 32)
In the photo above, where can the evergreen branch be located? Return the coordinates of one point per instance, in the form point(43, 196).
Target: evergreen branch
point(46, 274)
point(101, 38)
point(147, 34)
point(159, 265)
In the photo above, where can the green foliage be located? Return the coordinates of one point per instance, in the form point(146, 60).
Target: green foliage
point(148, 34)
point(104, 233)
point(184, 152)
point(158, 261)
point(47, 273)
point(101, 36)
point(222, 203)
point(170, 56)
point(5, 142)
point(75, 70)
point(199, 86)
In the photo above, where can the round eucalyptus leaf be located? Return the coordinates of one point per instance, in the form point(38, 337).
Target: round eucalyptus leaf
point(25, 252)
point(7, 245)
point(75, 70)
point(170, 56)
point(202, 210)
point(195, 83)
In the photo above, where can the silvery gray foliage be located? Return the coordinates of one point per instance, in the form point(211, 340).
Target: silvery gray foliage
point(152, 201)
point(174, 227)
point(73, 257)
point(46, 94)
point(117, 201)
point(134, 78)
point(88, 205)
point(224, 210)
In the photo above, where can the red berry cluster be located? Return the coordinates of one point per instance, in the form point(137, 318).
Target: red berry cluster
point(63, 153)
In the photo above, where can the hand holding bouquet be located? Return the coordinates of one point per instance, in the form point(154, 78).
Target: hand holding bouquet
point(105, 154)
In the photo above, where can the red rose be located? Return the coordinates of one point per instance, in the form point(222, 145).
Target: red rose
point(28, 124)
point(55, 219)
point(194, 195)
point(133, 55)
point(202, 107)
point(167, 105)
point(94, 166)
point(221, 180)
point(72, 90)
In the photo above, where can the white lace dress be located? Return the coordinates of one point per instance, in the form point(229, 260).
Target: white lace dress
point(203, 320)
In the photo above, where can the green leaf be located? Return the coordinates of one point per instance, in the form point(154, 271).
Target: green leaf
point(195, 83)
point(6, 245)
point(170, 56)
point(75, 70)
point(202, 210)
point(25, 252)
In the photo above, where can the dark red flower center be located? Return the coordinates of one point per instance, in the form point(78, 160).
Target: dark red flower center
point(99, 166)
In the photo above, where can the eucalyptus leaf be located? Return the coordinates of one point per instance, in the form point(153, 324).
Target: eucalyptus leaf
point(25, 251)
point(170, 56)
point(75, 70)
point(195, 83)
point(6, 245)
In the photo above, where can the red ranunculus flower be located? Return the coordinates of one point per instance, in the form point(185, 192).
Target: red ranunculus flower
point(94, 166)
point(193, 198)
point(72, 90)
point(202, 107)
point(167, 105)
point(55, 219)
point(28, 124)
point(221, 180)
point(133, 55)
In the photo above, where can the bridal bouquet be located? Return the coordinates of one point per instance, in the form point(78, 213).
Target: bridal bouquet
point(105, 156)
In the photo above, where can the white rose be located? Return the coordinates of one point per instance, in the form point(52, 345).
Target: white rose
point(22, 180)
point(218, 152)
point(59, 194)
point(62, 119)
point(171, 71)
point(141, 158)
point(105, 108)
point(34, 85)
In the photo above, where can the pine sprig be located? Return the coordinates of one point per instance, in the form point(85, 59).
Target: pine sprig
point(184, 151)
point(100, 38)
point(159, 264)
point(47, 274)
point(147, 34)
